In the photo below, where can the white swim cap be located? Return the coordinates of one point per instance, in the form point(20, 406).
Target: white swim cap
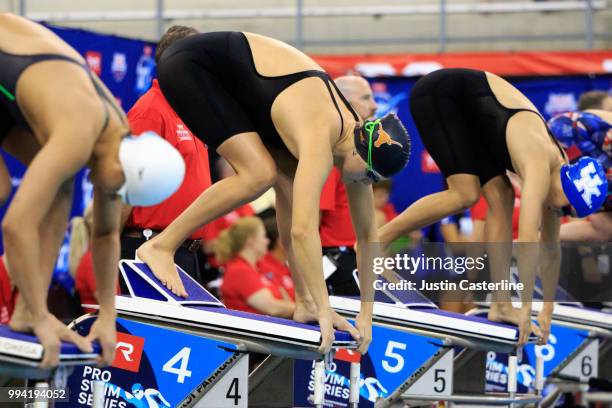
point(153, 169)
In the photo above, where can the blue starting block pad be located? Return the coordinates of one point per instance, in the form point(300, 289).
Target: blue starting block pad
point(21, 355)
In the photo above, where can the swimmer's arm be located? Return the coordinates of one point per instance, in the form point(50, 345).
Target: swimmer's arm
point(551, 255)
point(266, 303)
point(361, 205)
point(105, 248)
point(536, 181)
point(315, 162)
point(598, 228)
point(50, 169)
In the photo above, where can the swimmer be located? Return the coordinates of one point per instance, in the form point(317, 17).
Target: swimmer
point(476, 126)
point(57, 117)
point(280, 121)
point(588, 132)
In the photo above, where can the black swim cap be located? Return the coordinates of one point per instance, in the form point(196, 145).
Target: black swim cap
point(384, 144)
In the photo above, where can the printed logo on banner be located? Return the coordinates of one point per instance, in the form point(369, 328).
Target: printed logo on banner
point(387, 103)
point(348, 355)
point(94, 61)
point(128, 352)
point(421, 68)
point(560, 102)
point(182, 133)
point(144, 70)
point(428, 165)
point(119, 66)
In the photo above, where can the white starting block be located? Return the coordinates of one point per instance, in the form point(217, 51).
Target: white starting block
point(584, 362)
point(434, 380)
point(203, 316)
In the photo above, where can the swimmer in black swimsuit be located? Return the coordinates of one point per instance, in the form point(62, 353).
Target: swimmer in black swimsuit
point(56, 117)
point(280, 122)
point(477, 126)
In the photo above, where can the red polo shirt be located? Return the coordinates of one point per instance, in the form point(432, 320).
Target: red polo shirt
point(336, 228)
point(241, 280)
point(480, 209)
point(7, 294)
point(152, 112)
point(85, 282)
point(276, 272)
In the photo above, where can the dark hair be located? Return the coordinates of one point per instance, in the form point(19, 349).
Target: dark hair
point(174, 33)
point(269, 221)
point(383, 185)
point(592, 100)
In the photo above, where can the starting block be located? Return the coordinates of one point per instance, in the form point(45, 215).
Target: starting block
point(190, 352)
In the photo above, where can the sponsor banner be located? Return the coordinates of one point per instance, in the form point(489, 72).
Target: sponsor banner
point(562, 342)
point(393, 356)
point(501, 63)
point(153, 367)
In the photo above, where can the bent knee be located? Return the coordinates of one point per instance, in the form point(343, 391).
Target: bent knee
point(260, 179)
point(466, 196)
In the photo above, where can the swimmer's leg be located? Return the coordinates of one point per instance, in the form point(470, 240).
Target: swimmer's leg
point(463, 192)
point(255, 173)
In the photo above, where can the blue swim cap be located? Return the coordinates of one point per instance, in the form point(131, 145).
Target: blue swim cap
point(585, 185)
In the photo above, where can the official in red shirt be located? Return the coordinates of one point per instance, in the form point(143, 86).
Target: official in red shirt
point(244, 288)
point(85, 282)
point(273, 265)
point(152, 112)
point(336, 227)
point(8, 294)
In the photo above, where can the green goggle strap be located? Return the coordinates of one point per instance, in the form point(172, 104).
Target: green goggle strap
point(369, 127)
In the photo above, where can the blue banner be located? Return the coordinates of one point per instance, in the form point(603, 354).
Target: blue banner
point(154, 367)
point(561, 343)
point(392, 357)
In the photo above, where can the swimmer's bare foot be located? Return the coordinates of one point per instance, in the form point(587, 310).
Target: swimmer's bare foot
point(504, 312)
point(161, 262)
point(21, 318)
point(305, 311)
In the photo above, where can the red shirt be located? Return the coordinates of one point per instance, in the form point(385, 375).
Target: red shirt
point(152, 112)
point(480, 209)
point(7, 295)
point(389, 211)
point(240, 281)
point(336, 228)
point(214, 228)
point(277, 272)
point(85, 282)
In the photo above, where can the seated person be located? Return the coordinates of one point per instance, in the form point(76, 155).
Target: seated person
point(273, 265)
point(80, 260)
point(238, 249)
point(385, 211)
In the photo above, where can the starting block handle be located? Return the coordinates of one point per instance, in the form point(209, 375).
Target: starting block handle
point(354, 385)
point(512, 374)
point(99, 388)
point(539, 380)
point(319, 384)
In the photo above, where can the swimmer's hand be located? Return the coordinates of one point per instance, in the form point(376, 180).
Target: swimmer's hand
point(51, 332)
point(544, 322)
point(327, 331)
point(104, 330)
point(526, 326)
point(363, 323)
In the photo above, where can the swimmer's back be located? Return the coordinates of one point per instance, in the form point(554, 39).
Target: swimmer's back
point(20, 36)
